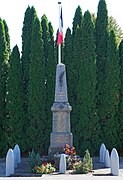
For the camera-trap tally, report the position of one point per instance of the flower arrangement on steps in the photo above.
(85, 166)
(45, 168)
(73, 161)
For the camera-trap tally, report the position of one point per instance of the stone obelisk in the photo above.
(61, 109)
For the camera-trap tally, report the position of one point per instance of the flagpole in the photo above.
(59, 46)
(59, 54)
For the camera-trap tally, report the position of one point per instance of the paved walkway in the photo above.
(65, 177)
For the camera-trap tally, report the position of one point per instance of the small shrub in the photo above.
(87, 161)
(85, 166)
(36, 165)
(34, 159)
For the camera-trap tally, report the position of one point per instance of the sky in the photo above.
(13, 12)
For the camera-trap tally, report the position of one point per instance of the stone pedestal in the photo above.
(61, 109)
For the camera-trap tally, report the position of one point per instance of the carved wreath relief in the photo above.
(61, 81)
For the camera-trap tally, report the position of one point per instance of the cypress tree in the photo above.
(76, 62)
(112, 23)
(110, 125)
(4, 57)
(71, 76)
(26, 50)
(75, 68)
(36, 90)
(50, 85)
(45, 36)
(101, 36)
(15, 101)
(7, 36)
(67, 47)
(26, 41)
(120, 113)
(8, 50)
(48, 46)
(77, 20)
(88, 125)
(68, 62)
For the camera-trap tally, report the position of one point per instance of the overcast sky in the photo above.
(13, 12)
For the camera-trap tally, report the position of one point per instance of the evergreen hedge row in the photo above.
(93, 54)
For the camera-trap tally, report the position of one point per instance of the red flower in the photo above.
(45, 171)
(45, 164)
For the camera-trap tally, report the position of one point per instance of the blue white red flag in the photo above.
(60, 33)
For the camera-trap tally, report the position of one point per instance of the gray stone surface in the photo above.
(102, 152)
(59, 139)
(62, 165)
(107, 159)
(9, 162)
(114, 162)
(18, 154)
(61, 131)
(61, 84)
(15, 156)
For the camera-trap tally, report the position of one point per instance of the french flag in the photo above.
(60, 33)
